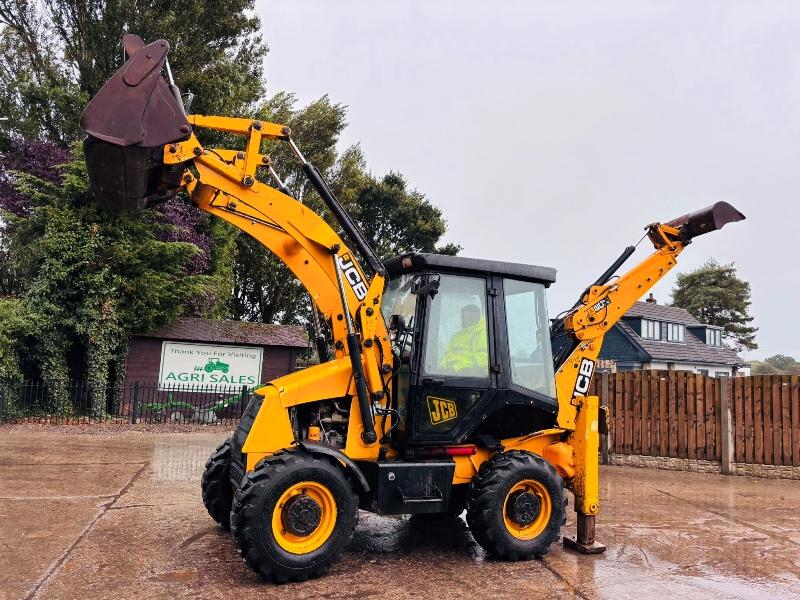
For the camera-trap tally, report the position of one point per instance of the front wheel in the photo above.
(517, 505)
(293, 516)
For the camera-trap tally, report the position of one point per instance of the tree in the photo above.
(777, 364)
(55, 55)
(90, 277)
(40, 159)
(397, 220)
(715, 295)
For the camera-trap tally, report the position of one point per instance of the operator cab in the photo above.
(473, 361)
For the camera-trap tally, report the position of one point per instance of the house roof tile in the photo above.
(232, 332)
(662, 312)
(692, 351)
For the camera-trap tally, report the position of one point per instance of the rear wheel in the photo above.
(517, 505)
(293, 516)
(216, 485)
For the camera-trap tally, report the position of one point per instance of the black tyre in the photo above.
(293, 516)
(216, 485)
(516, 506)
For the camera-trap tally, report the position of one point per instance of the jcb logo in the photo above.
(441, 410)
(584, 378)
(352, 275)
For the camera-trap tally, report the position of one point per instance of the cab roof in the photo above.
(414, 262)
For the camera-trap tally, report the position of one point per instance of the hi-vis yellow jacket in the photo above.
(468, 350)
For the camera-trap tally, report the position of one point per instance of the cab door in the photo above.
(455, 367)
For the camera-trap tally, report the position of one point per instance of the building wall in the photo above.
(144, 360)
(618, 347)
(713, 370)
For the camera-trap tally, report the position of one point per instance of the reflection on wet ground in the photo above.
(120, 515)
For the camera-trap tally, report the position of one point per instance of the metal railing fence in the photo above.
(137, 402)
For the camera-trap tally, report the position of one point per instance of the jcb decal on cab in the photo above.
(584, 378)
(441, 410)
(352, 275)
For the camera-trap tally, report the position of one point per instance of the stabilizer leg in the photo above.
(585, 441)
(584, 542)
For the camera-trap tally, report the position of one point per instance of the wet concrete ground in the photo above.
(120, 516)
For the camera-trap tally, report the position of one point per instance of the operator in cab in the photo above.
(468, 353)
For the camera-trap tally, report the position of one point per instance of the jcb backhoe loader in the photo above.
(441, 392)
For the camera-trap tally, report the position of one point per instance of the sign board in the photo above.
(214, 366)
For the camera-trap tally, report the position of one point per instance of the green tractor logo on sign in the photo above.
(214, 364)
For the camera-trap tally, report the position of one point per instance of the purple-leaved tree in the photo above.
(40, 159)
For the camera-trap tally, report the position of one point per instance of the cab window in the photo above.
(457, 331)
(529, 336)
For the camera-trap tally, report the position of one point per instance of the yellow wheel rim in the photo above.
(302, 544)
(539, 524)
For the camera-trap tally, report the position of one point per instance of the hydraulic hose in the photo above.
(354, 350)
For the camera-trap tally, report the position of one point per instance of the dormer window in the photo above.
(676, 332)
(651, 330)
(714, 337)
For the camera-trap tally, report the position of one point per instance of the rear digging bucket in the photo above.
(706, 220)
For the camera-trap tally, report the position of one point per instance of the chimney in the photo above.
(651, 299)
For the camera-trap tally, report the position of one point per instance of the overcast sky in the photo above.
(551, 133)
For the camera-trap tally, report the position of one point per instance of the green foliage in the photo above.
(777, 364)
(715, 295)
(17, 328)
(396, 219)
(56, 55)
(92, 276)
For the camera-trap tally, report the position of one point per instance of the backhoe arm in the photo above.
(581, 332)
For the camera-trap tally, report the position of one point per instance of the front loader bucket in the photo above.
(706, 220)
(128, 123)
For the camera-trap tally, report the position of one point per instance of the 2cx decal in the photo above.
(352, 275)
(441, 410)
(584, 378)
(601, 304)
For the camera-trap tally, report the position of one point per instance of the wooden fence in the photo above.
(676, 414)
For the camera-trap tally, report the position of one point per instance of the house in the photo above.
(214, 353)
(655, 336)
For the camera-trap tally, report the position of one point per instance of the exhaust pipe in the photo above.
(128, 123)
(705, 220)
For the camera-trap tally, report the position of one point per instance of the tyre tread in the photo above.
(215, 485)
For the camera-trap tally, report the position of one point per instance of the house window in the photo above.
(702, 371)
(713, 337)
(651, 330)
(675, 332)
